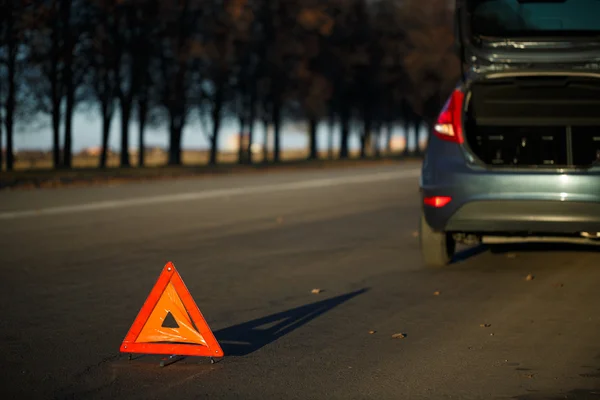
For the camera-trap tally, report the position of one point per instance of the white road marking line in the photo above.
(211, 194)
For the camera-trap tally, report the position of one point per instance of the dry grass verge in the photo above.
(47, 178)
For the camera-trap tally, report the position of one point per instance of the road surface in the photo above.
(77, 265)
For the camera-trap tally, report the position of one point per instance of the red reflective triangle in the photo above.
(191, 337)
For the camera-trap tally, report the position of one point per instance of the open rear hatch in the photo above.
(551, 121)
(500, 33)
(528, 117)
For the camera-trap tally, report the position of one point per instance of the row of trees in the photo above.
(169, 62)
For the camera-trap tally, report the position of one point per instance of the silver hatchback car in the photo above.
(515, 152)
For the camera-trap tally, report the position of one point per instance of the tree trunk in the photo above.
(10, 155)
(142, 115)
(216, 120)
(416, 130)
(277, 131)
(429, 123)
(56, 153)
(10, 112)
(106, 121)
(331, 130)
(366, 135)
(266, 141)
(251, 120)
(175, 141)
(363, 146)
(376, 142)
(213, 149)
(10, 106)
(1, 146)
(1, 131)
(68, 148)
(242, 120)
(125, 117)
(70, 105)
(390, 135)
(241, 148)
(345, 134)
(407, 124)
(56, 95)
(68, 82)
(312, 134)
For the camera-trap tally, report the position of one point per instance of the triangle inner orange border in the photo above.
(201, 342)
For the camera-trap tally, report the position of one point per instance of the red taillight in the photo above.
(437, 201)
(449, 124)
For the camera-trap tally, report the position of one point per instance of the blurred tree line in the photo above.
(371, 63)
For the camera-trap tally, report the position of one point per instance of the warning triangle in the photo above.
(170, 322)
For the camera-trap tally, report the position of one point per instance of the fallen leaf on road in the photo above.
(485, 325)
(279, 220)
(557, 285)
(529, 376)
(491, 334)
(398, 336)
(415, 234)
(372, 332)
(437, 293)
(316, 291)
(529, 277)
(511, 255)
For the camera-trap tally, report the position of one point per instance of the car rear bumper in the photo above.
(487, 201)
(523, 216)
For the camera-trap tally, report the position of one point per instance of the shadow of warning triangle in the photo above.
(247, 337)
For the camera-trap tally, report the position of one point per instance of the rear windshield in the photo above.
(531, 18)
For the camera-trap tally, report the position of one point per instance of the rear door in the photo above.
(498, 33)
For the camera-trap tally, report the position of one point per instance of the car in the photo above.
(515, 152)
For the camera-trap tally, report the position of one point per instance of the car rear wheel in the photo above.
(437, 248)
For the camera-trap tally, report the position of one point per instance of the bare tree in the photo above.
(126, 76)
(74, 16)
(225, 23)
(339, 60)
(313, 89)
(146, 34)
(245, 96)
(16, 23)
(245, 76)
(392, 78)
(102, 77)
(45, 60)
(10, 41)
(179, 49)
(278, 53)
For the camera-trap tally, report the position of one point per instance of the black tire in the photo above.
(437, 248)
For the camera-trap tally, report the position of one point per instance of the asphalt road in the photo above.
(77, 265)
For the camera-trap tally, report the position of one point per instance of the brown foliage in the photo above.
(430, 62)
